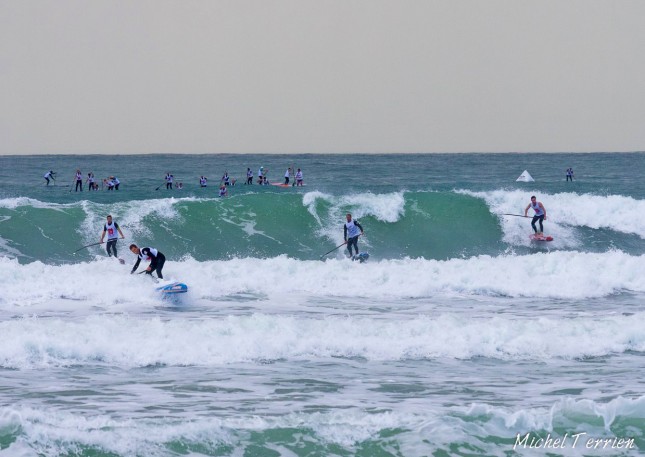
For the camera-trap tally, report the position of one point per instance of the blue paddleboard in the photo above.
(361, 257)
(173, 288)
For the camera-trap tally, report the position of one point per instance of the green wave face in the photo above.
(420, 224)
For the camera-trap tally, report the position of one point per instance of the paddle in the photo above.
(89, 245)
(339, 246)
(159, 187)
(516, 215)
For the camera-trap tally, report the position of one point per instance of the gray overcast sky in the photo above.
(294, 76)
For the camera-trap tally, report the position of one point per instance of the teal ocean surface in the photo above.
(459, 335)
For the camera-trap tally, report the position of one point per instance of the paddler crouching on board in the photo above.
(156, 258)
(351, 233)
(111, 228)
(540, 214)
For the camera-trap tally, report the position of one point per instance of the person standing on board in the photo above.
(351, 231)
(49, 175)
(90, 180)
(299, 177)
(79, 181)
(111, 228)
(169, 179)
(287, 175)
(540, 214)
(156, 258)
(249, 176)
(570, 174)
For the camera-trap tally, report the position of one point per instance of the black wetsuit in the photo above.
(156, 261)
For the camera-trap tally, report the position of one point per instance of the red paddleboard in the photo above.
(536, 237)
(280, 184)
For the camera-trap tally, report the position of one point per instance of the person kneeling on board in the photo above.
(540, 214)
(351, 229)
(156, 258)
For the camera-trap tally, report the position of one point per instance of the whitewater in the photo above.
(457, 336)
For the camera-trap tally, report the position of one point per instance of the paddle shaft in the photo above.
(89, 245)
(339, 246)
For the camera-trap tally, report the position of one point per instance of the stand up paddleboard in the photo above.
(361, 257)
(536, 237)
(173, 288)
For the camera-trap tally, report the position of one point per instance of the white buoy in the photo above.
(525, 177)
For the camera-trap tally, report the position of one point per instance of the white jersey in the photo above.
(286, 173)
(536, 207)
(111, 230)
(299, 175)
(143, 256)
(352, 229)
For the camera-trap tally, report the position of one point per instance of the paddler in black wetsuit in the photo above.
(157, 259)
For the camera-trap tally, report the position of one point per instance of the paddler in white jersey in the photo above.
(540, 214)
(111, 228)
(79, 180)
(49, 175)
(351, 231)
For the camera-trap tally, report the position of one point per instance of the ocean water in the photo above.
(456, 337)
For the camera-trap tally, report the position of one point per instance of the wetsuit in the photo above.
(157, 259)
(351, 232)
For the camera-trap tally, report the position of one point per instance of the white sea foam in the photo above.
(127, 341)
(560, 274)
(18, 202)
(566, 210)
(56, 432)
(538, 419)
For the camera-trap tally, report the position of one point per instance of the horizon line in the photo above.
(9, 154)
